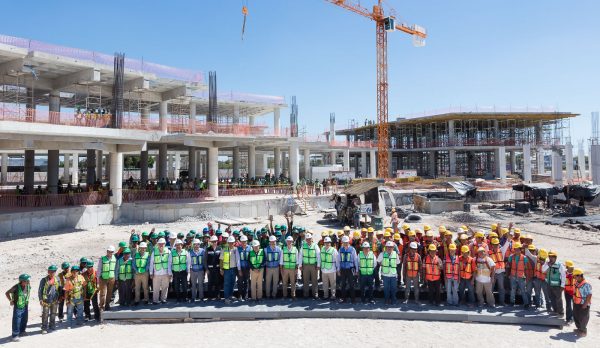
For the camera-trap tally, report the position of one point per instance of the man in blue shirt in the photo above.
(243, 266)
(198, 267)
(273, 254)
(582, 300)
(348, 270)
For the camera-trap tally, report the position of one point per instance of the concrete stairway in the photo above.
(304, 205)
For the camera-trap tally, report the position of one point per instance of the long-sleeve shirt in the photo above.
(380, 260)
(282, 252)
(233, 257)
(318, 252)
(202, 261)
(353, 257)
(335, 264)
(163, 271)
(188, 259)
(561, 269)
(51, 290)
(274, 263)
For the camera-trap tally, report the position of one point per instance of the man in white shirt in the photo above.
(389, 260)
(330, 266)
(160, 272)
(484, 278)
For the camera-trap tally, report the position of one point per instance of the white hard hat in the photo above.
(272, 239)
(255, 243)
(225, 235)
(213, 238)
(389, 244)
(413, 245)
(243, 238)
(366, 245)
(196, 241)
(111, 248)
(172, 235)
(177, 242)
(345, 239)
(161, 241)
(289, 239)
(308, 236)
(143, 245)
(327, 240)
(231, 239)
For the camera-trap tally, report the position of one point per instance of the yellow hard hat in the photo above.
(479, 234)
(463, 237)
(356, 234)
(442, 228)
(504, 230)
(405, 226)
(448, 232)
(417, 231)
(529, 237)
(495, 241)
(346, 228)
(370, 229)
(452, 246)
(464, 249)
(493, 235)
(569, 263)
(426, 228)
(325, 233)
(531, 247)
(517, 230)
(464, 227)
(577, 272)
(387, 234)
(396, 236)
(429, 234)
(543, 254)
(432, 247)
(517, 245)
(411, 233)
(494, 226)
(339, 233)
(389, 229)
(552, 253)
(363, 230)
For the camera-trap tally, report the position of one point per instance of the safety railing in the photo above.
(130, 196)
(255, 190)
(53, 200)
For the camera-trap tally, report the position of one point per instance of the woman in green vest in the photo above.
(18, 296)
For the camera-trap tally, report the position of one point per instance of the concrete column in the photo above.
(451, 134)
(145, 114)
(170, 159)
(66, 168)
(29, 168)
(162, 162)
(177, 165)
(471, 170)
(347, 159)
(236, 113)
(557, 173)
(432, 163)
(99, 157)
(373, 164)
(276, 125)
(581, 161)
(90, 161)
(54, 107)
(144, 167)
(163, 116)
(75, 175)
(200, 164)
(251, 120)
(501, 163)
(540, 161)
(192, 163)
(569, 161)
(107, 168)
(513, 162)
(333, 157)
(294, 163)
(236, 162)
(594, 158)
(213, 171)
(116, 178)
(4, 172)
(527, 163)
(277, 161)
(363, 164)
(306, 156)
(52, 172)
(452, 162)
(192, 120)
(265, 161)
(251, 161)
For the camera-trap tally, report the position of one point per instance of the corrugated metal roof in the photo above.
(361, 187)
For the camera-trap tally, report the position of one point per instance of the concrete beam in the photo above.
(83, 76)
(137, 84)
(175, 93)
(12, 66)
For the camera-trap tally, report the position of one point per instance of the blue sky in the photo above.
(503, 53)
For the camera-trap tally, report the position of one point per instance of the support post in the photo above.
(29, 174)
(144, 167)
(213, 172)
(90, 176)
(236, 162)
(163, 116)
(99, 157)
(251, 161)
(277, 162)
(581, 162)
(333, 157)
(276, 125)
(373, 164)
(501, 163)
(162, 162)
(557, 173)
(52, 173)
(75, 176)
(192, 163)
(595, 163)
(513, 162)
(527, 163)
(569, 161)
(177, 166)
(432, 163)
(192, 120)
(294, 167)
(261, 169)
(4, 173)
(363, 164)
(346, 159)
(145, 114)
(54, 106)
(539, 159)
(452, 162)
(306, 157)
(116, 178)
(66, 168)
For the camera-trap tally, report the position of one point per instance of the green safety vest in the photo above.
(289, 257)
(226, 259)
(161, 261)
(179, 262)
(388, 264)
(22, 297)
(47, 286)
(366, 263)
(553, 275)
(108, 267)
(309, 254)
(125, 270)
(77, 291)
(141, 262)
(256, 259)
(327, 258)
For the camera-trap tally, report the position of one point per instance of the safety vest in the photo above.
(538, 271)
(309, 254)
(178, 261)
(388, 263)
(366, 264)
(76, 289)
(256, 259)
(108, 267)
(517, 269)
(577, 299)
(327, 258)
(141, 262)
(412, 265)
(553, 277)
(196, 259)
(22, 297)
(90, 283)
(432, 270)
(272, 257)
(569, 284)
(466, 269)
(161, 261)
(125, 270)
(289, 257)
(50, 288)
(243, 254)
(451, 268)
(346, 258)
(498, 259)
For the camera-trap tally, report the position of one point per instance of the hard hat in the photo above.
(356, 235)
(452, 246)
(396, 236)
(531, 247)
(225, 235)
(122, 244)
(324, 233)
(426, 227)
(277, 227)
(429, 234)
(494, 226)
(236, 233)
(135, 238)
(144, 234)
(460, 230)
(517, 245)
(196, 241)
(160, 235)
(442, 228)
(75, 268)
(405, 226)
(493, 235)
(277, 233)
(479, 234)
(214, 238)
(288, 239)
(111, 248)
(205, 229)
(190, 235)
(53, 268)
(340, 232)
(255, 243)
(178, 242)
(413, 245)
(389, 229)
(218, 232)
(370, 229)
(271, 239)
(432, 247)
(504, 230)
(82, 260)
(552, 253)
(463, 237)
(172, 235)
(89, 264)
(480, 249)
(366, 245)
(411, 233)
(387, 234)
(162, 241)
(517, 230)
(243, 238)
(569, 263)
(448, 232)
(24, 277)
(464, 227)
(126, 251)
(389, 243)
(346, 228)
(153, 235)
(417, 231)
(345, 239)
(543, 254)
(283, 227)
(231, 239)
(577, 272)
(528, 236)
(327, 240)
(363, 230)
(464, 249)
(308, 236)
(379, 233)
(65, 265)
(495, 241)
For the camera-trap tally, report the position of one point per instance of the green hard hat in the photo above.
(277, 227)
(127, 251)
(236, 232)
(122, 244)
(90, 263)
(65, 265)
(24, 277)
(144, 234)
(154, 235)
(193, 232)
(135, 238)
(83, 260)
(75, 268)
(219, 232)
(161, 235)
(53, 268)
(278, 233)
(283, 227)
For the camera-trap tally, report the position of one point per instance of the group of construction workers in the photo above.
(464, 264)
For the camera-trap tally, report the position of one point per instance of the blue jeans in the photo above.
(499, 280)
(228, 282)
(452, 291)
(19, 320)
(520, 284)
(390, 285)
(465, 284)
(78, 305)
(366, 287)
(540, 286)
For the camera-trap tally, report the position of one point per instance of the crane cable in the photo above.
(245, 13)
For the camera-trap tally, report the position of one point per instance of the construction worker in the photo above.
(432, 268)
(377, 248)
(582, 300)
(515, 265)
(243, 267)
(388, 261)
(451, 275)
(48, 295)
(228, 265)
(478, 242)
(257, 267)
(125, 278)
(399, 247)
(348, 270)
(141, 272)
(273, 255)
(569, 290)
(484, 277)
(107, 266)
(309, 264)
(539, 279)
(395, 220)
(289, 267)
(74, 289)
(366, 268)
(65, 268)
(556, 279)
(197, 269)
(529, 269)
(498, 255)
(91, 292)
(466, 265)
(330, 266)
(412, 271)
(18, 296)
(160, 272)
(213, 257)
(180, 264)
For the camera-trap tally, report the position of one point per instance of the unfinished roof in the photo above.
(361, 187)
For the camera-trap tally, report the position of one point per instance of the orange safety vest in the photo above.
(498, 258)
(432, 270)
(468, 265)
(518, 270)
(570, 284)
(412, 265)
(577, 299)
(451, 268)
(529, 271)
(476, 246)
(538, 271)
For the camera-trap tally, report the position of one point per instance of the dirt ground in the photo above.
(33, 255)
